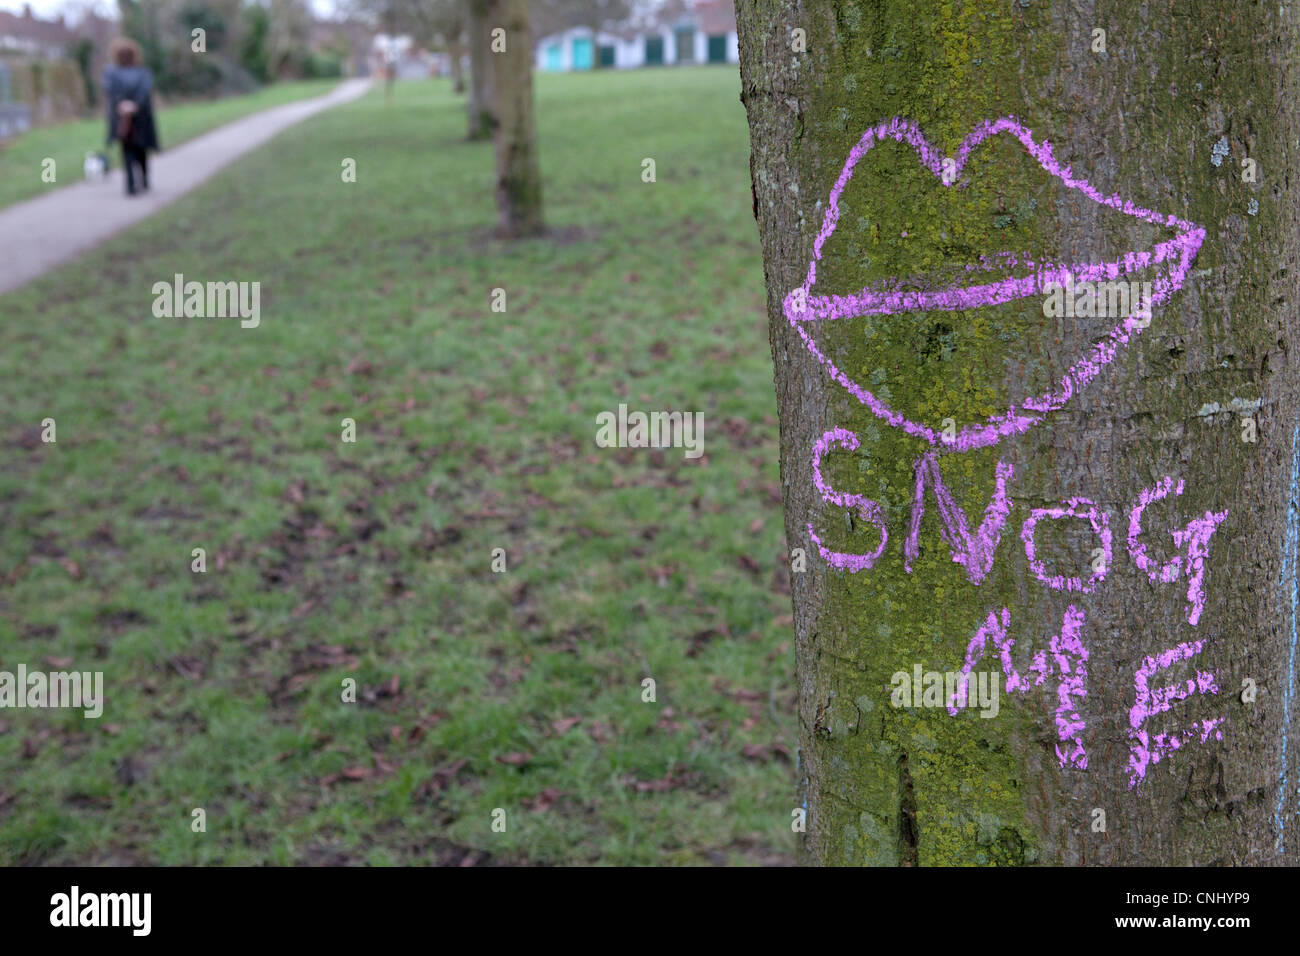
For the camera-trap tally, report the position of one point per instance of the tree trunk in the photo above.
(519, 182)
(456, 51)
(1086, 504)
(479, 103)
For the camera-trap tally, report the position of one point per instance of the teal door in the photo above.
(654, 51)
(582, 53)
(718, 49)
(685, 45)
(554, 60)
(606, 55)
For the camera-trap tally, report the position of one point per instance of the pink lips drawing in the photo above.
(1172, 260)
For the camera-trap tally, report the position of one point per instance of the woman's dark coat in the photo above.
(134, 83)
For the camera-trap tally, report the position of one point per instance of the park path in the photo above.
(41, 233)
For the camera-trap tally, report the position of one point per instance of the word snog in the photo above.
(975, 551)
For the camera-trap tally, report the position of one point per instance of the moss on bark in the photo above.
(1139, 118)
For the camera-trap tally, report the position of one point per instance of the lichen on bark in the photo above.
(1140, 119)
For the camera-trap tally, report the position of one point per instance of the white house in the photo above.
(408, 61)
(704, 32)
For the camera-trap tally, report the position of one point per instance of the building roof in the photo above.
(26, 33)
(715, 16)
(707, 16)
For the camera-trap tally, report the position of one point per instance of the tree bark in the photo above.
(456, 51)
(519, 182)
(1116, 536)
(479, 104)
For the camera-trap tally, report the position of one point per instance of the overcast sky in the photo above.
(48, 8)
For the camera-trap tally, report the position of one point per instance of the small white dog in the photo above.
(96, 165)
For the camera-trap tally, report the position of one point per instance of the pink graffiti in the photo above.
(868, 510)
(1193, 541)
(1174, 255)
(1145, 749)
(973, 552)
(1066, 657)
(1100, 522)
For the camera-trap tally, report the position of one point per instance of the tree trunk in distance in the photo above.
(455, 51)
(479, 104)
(519, 182)
(1117, 557)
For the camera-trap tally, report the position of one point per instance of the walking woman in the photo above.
(128, 88)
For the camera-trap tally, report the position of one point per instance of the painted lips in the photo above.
(1172, 260)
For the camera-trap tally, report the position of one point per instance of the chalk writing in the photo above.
(1173, 259)
(1146, 749)
(973, 552)
(1066, 658)
(868, 510)
(1100, 524)
(1193, 539)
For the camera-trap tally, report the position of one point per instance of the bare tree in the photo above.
(519, 182)
(479, 105)
(429, 23)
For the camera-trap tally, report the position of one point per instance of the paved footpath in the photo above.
(41, 233)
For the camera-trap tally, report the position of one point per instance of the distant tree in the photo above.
(519, 182)
(82, 52)
(480, 66)
(254, 50)
(165, 31)
(432, 24)
(289, 37)
(140, 22)
(451, 27)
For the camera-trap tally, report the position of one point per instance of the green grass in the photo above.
(21, 159)
(372, 561)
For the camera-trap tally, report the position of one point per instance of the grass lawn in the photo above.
(329, 561)
(67, 143)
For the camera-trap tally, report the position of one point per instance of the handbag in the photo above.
(126, 111)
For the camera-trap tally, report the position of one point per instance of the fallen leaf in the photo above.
(765, 752)
(515, 759)
(442, 778)
(564, 724)
(544, 800)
